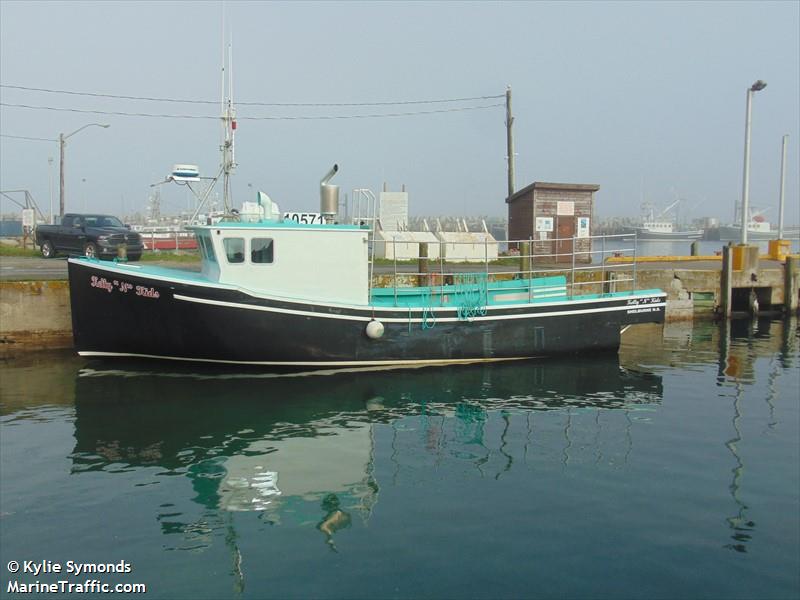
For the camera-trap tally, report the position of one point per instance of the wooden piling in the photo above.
(525, 260)
(791, 285)
(422, 269)
(725, 294)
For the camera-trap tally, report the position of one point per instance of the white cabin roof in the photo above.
(326, 263)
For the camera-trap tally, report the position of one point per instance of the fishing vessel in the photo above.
(166, 238)
(656, 229)
(758, 230)
(662, 231)
(277, 293)
(289, 295)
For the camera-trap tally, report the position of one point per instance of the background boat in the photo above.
(167, 238)
(662, 231)
(756, 231)
(655, 227)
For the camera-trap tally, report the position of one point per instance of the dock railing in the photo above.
(403, 263)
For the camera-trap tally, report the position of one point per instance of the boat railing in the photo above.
(596, 265)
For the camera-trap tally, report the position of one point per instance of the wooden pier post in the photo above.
(791, 284)
(422, 269)
(725, 294)
(525, 260)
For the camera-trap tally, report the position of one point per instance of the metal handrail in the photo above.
(472, 263)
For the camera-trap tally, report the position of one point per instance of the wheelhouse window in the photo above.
(206, 248)
(261, 250)
(234, 249)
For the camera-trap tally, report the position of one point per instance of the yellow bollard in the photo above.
(779, 249)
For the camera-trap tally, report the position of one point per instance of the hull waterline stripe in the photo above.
(305, 313)
(328, 363)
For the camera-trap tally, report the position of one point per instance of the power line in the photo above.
(257, 118)
(104, 112)
(274, 104)
(22, 137)
(372, 116)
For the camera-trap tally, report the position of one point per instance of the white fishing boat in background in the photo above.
(758, 230)
(662, 231)
(655, 227)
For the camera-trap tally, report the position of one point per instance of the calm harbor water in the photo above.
(669, 471)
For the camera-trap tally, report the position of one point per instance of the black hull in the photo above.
(179, 320)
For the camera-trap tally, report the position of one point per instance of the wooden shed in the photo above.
(555, 216)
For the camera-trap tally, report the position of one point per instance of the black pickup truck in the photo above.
(95, 236)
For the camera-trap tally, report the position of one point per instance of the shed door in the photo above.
(565, 232)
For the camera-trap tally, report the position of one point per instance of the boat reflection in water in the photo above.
(303, 447)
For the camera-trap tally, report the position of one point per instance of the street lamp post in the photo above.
(783, 186)
(756, 87)
(61, 143)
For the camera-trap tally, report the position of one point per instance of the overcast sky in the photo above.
(645, 99)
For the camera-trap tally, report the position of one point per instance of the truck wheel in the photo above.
(90, 250)
(47, 249)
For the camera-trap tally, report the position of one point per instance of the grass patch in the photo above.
(180, 257)
(17, 251)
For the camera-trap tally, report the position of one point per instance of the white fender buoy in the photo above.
(374, 329)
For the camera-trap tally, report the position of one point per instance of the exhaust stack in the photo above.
(329, 196)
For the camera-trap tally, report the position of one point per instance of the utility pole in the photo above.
(61, 175)
(50, 179)
(510, 142)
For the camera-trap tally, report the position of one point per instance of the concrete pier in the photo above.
(36, 314)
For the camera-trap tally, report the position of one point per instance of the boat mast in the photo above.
(228, 122)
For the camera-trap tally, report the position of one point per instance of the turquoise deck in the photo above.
(495, 293)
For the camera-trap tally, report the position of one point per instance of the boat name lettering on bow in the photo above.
(102, 283)
(640, 301)
(146, 292)
(122, 286)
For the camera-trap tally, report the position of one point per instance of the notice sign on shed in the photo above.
(565, 208)
(583, 227)
(544, 223)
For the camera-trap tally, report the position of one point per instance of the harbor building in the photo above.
(553, 216)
